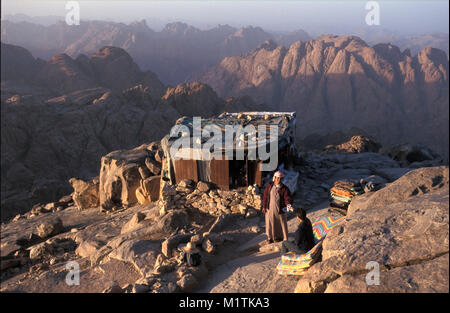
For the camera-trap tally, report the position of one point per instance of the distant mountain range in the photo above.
(173, 54)
(336, 83)
(178, 50)
(413, 42)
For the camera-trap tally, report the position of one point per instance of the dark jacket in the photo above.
(285, 197)
(304, 237)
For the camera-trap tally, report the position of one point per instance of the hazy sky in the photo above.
(313, 16)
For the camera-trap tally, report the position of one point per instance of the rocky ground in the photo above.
(403, 226)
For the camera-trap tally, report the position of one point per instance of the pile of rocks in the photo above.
(356, 144)
(204, 197)
(40, 209)
(44, 245)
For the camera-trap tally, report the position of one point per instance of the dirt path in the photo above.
(256, 272)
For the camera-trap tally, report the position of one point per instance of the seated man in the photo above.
(304, 237)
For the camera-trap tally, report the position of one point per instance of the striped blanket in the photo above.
(297, 264)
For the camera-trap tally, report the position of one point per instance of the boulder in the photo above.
(141, 253)
(403, 227)
(173, 220)
(208, 246)
(413, 183)
(120, 177)
(153, 166)
(172, 242)
(187, 283)
(142, 197)
(418, 278)
(150, 187)
(39, 251)
(203, 186)
(50, 228)
(144, 172)
(86, 194)
(407, 154)
(133, 223)
(89, 247)
(186, 183)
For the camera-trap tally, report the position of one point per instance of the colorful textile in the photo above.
(341, 198)
(322, 226)
(342, 192)
(293, 257)
(297, 264)
(292, 270)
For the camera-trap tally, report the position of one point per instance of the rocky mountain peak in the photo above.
(249, 31)
(193, 99)
(267, 45)
(179, 28)
(110, 53)
(17, 63)
(141, 26)
(388, 51)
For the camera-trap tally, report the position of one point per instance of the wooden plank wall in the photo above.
(220, 173)
(254, 174)
(185, 169)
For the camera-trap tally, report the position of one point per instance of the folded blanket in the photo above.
(341, 198)
(297, 264)
(342, 192)
(322, 225)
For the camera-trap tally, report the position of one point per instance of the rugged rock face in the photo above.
(403, 227)
(18, 63)
(65, 136)
(177, 97)
(85, 194)
(411, 155)
(121, 177)
(109, 67)
(340, 82)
